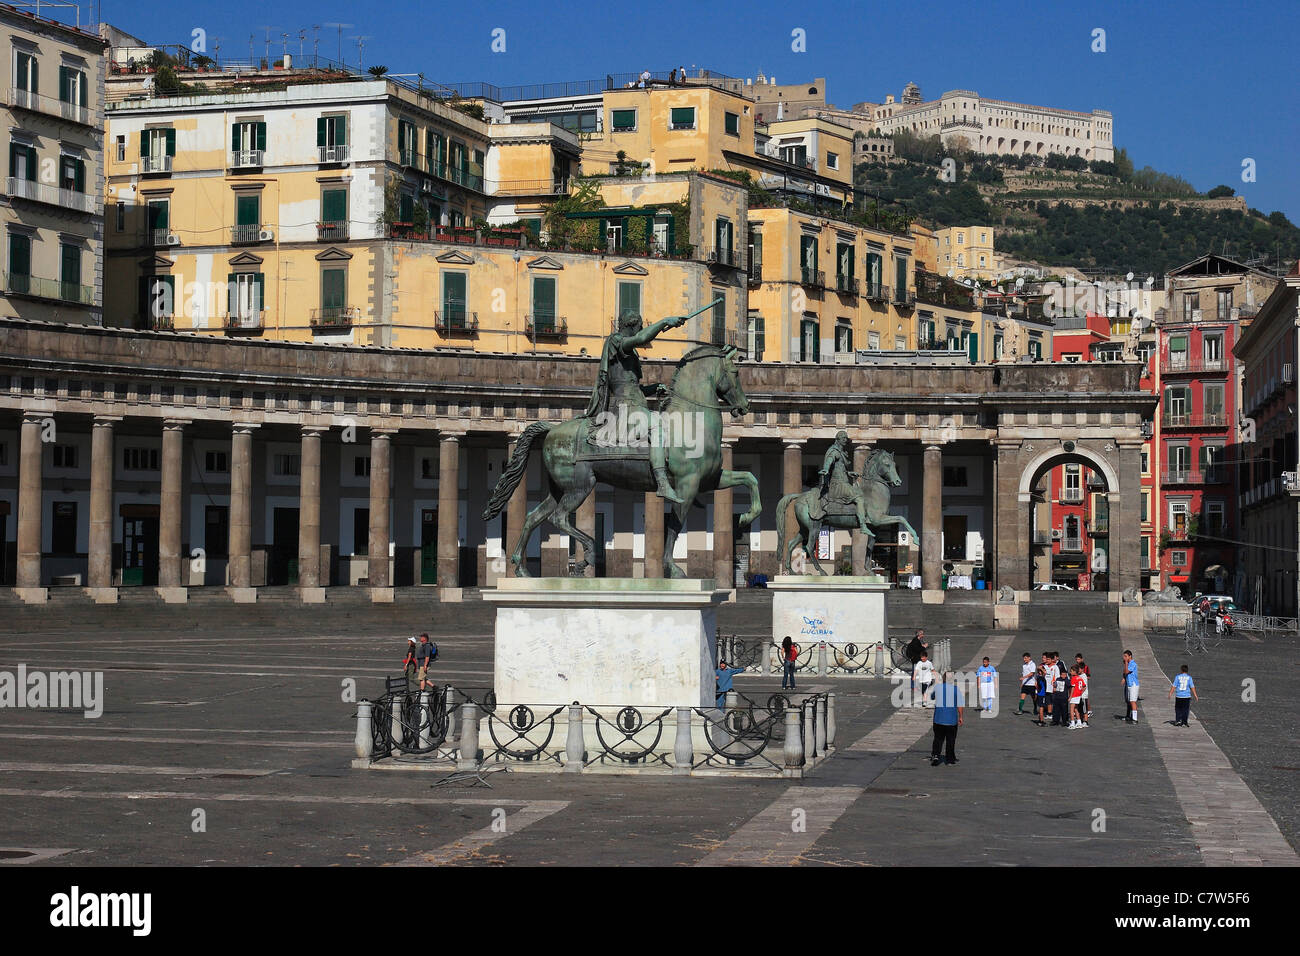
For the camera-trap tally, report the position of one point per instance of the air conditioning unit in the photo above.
(1056, 534)
(1288, 373)
(173, 240)
(266, 235)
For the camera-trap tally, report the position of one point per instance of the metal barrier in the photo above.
(1265, 624)
(408, 721)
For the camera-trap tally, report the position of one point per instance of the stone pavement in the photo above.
(247, 725)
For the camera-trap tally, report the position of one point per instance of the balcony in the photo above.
(755, 269)
(1100, 528)
(1213, 420)
(333, 231)
(335, 317)
(1071, 544)
(451, 321)
(846, 284)
(37, 103)
(155, 164)
(454, 174)
(877, 292)
(904, 299)
(246, 321)
(723, 256)
(247, 158)
(333, 154)
(245, 235)
(406, 157)
(1207, 476)
(812, 277)
(1072, 496)
(56, 289)
(547, 326)
(158, 237)
(50, 195)
(1187, 316)
(1180, 364)
(531, 187)
(161, 323)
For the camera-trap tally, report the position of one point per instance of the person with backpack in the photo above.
(425, 654)
(789, 657)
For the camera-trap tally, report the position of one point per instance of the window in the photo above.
(1178, 351)
(20, 262)
(808, 256)
(1073, 490)
(1146, 552)
(731, 124)
(843, 264)
(361, 466)
(900, 279)
(332, 138)
(719, 332)
(1213, 403)
(1178, 559)
(334, 212)
(245, 299)
(121, 149)
(1215, 520)
(70, 270)
(247, 143)
(1212, 349)
(722, 235)
(22, 161)
(63, 530)
(682, 117)
(809, 341)
(454, 293)
(159, 298)
(26, 72)
(843, 336)
(997, 345)
(875, 274)
(406, 143)
(1212, 461)
(622, 121)
(961, 239)
(428, 468)
(248, 211)
(756, 334)
(832, 161)
(286, 466)
(435, 153)
(119, 210)
(629, 299)
(73, 86)
(900, 342)
(873, 341)
(1225, 304)
(1180, 462)
(1070, 356)
(954, 476)
(1146, 459)
(64, 456)
(1178, 401)
(72, 174)
(1146, 507)
(216, 463)
(333, 293)
(139, 459)
(1191, 301)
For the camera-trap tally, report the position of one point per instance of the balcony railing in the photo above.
(1214, 420)
(1071, 544)
(155, 164)
(50, 195)
(1185, 364)
(247, 158)
(161, 323)
(531, 187)
(723, 256)
(813, 277)
(406, 157)
(1100, 528)
(1207, 476)
(334, 317)
(158, 237)
(245, 320)
(1072, 496)
(1188, 315)
(246, 234)
(18, 283)
(847, 284)
(904, 298)
(454, 174)
(333, 231)
(333, 154)
(876, 292)
(38, 103)
(755, 269)
(449, 321)
(547, 326)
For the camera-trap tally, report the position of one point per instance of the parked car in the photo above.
(1051, 586)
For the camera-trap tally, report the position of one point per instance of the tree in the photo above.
(377, 71)
(1221, 191)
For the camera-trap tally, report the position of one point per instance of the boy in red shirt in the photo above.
(1077, 685)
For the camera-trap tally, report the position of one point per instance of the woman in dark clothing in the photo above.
(789, 654)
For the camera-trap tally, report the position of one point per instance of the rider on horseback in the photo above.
(618, 383)
(839, 484)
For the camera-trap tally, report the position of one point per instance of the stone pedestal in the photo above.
(644, 642)
(812, 608)
(174, 595)
(312, 595)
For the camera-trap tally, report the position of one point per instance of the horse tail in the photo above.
(780, 528)
(514, 470)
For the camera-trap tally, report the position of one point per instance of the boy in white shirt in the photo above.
(923, 675)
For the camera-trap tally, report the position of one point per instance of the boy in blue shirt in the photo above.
(1131, 686)
(1182, 690)
(987, 677)
(725, 674)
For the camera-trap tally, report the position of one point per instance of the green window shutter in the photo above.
(20, 255)
(258, 289)
(232, 293)
(171, 141)
(70, 264)
(973, 344)
(683, 116)
(401, 137)
(23, 61)
(159, 214)
(543, 297)
(453, 294)
(36, 75)
(732, 123)
(406, 208)
(65, 85)
(13, 159)
(236, 137)
(320, 131)
(334, 205)
(83, 87)
(144, 142)
(333, 288)
(261, 136)
(622, 119)
(340, 131)
(31, 163)
(79, 176)
(248, 211)
(629, 298)
(900, 276)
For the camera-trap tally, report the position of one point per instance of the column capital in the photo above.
(105, 421)
(244, 428)
(175, 424)
(385, 434)
(451, 436)
(935, 446)
(730, 441)
(33, 417)
(794, 442)
(314, 431)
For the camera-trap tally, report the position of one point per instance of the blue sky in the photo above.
(1195, 87)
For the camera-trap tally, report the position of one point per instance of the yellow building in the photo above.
(812, 156)
(824, 288)
(52, 216)
(966, 252)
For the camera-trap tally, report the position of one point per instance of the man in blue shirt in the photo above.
(725, 674)
(949, 711)
(1131, 686)
(1182, 690)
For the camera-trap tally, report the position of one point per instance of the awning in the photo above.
(1178, 578)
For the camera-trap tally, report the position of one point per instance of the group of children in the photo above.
(1056, 691)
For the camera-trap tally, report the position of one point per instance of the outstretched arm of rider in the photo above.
(647, 335)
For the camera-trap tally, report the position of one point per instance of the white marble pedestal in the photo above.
(812, 608)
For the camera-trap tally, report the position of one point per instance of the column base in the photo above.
(242, 595)
(1130, 617)
(381, 596)
(32, 595)
(102, 595)
(1006, 616)
(932, 596)
(174, 595)
(452, 595)
(312, 595)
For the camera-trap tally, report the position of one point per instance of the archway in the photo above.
(1065, 499)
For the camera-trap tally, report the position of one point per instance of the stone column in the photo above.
(1124, 554)
(1012, 565)
(449, 517)
(381, 444)
(516, 511)
(309, 569)
(654, 535)
(792, 484)
(170, 586)
(99, 577)
(724, 544)
(27, 579)
(861, 451)
(241, 514)
(932, 518)
(586, 523)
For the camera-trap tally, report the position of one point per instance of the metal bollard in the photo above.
(365, 739)
(468, 759)
(793, 740)
(830, 719)
(810, 732)
(819, 722)
(449, 706)
(575, 747)
(821, 659)
(683, 750)
(395, 724)
(880, 660)
(425, 721)
(732, 700)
